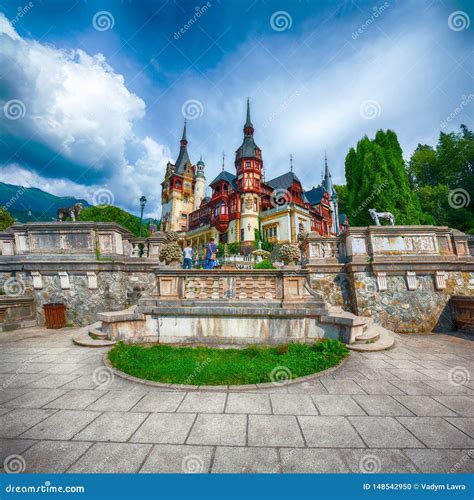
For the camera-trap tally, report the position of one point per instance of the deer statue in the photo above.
(381, 215)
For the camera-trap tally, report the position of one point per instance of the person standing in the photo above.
(188, 253)
(211, 254)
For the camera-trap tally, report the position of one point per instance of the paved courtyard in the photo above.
(410, 409)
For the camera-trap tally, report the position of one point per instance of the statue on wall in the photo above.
(381, 215)
(72, 212)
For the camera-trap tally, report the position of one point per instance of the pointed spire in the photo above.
(223, 160)
(248, 127)
(291, 163)
(183, 138)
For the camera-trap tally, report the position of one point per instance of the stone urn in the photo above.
(289, 254)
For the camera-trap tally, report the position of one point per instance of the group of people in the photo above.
(211, 255)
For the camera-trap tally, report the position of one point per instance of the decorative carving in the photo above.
(382, 281)
(412, 283)
(65, 283)
(440, 280)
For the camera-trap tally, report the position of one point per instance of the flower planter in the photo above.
(463, 306)
(55, 315)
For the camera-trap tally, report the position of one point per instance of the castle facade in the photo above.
(244, 205)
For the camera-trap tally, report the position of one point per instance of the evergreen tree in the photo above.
(377, 178)
(6, 220)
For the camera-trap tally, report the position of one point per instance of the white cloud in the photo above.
(82, 111)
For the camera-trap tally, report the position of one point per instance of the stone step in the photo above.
(371, 334)
(83, 338)
(385, 341)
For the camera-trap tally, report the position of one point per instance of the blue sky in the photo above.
(101, 87)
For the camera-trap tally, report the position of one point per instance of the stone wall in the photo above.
(114, 291)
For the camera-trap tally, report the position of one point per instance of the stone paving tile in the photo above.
(435, 432)
(13, 423)
(4, 410)
(178, 459)
(63, 425)
(77, 399)
(454, 461)
(310, 388)
(384, 432)
(203, 402)
(274, 430)
(13, 447)
(292, 404)
(408, 374)
(53, 456)
(379, 387)
(312, 461)
(116, 401)
(164, 428)
(342, 387)
(112, 426)
(79, 382)
(245, 460)
(36, 398)
(449, 389)
(402, 363)
(464, 424)
(329, 432)
(248, 403)
(424, 406)
(160, 402)
(381, 405)
(64, 368)
(378, 461)
(462, 405)
(52, 381)
(222, 429)
(112, 457)
(330, 404)
(9, 394)
(16, 381)
(414, 388)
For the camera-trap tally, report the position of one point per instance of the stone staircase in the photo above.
(362, 334)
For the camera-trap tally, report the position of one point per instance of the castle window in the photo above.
(185, 199)
(247, 164)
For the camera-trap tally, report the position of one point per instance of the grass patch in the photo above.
(211, 366)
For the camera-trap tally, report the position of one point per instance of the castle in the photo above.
(244, 204)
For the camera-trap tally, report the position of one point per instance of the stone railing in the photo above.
(232, 285)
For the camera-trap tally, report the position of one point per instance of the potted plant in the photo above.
(289, 254)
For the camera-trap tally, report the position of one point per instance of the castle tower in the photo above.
(329, 188)
(200, 184)
(249, 166)
(177, 197)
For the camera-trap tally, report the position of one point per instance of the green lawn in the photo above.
(211, 366)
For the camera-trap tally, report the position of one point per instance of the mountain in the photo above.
(33, 204)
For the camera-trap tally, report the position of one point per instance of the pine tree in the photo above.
(377, 178)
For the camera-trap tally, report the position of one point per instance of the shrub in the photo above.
(264, 264)
(289, 253)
